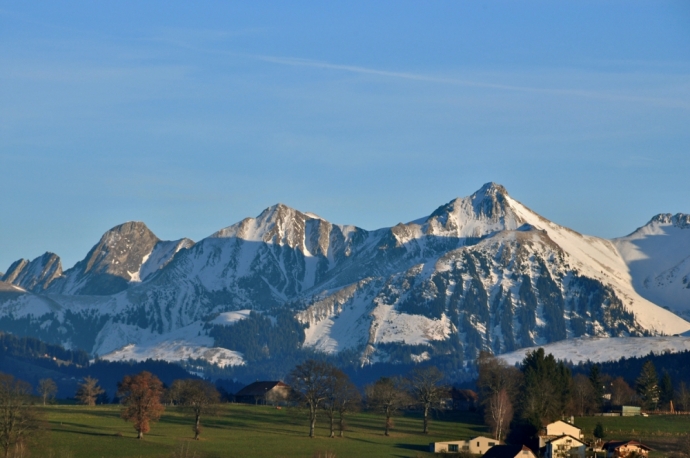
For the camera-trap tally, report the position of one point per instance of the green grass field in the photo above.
(240, 431)
(661, 432)
(257, 431)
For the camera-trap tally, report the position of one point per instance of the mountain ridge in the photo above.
(483, 272)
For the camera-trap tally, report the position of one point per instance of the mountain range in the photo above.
(482, 272)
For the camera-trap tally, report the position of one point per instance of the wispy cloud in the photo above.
(295, 62)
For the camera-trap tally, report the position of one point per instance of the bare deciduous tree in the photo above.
(198, 396)
(583, 394)
(18, 418)
(343, 397)
(387, 395)
(173, 394)
(309, 383)
(622, 393)
(46, 389)
(426, 388)
(140, 396)
(497, 385)
(683, 396)
(88, 391)
(499, 413)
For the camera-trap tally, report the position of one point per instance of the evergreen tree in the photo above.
(665, 391)
(648, 386)
(547, 388)
(597, 386)
(599, 431)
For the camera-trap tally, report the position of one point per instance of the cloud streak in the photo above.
(295, 62)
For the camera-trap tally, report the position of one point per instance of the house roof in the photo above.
(565, 423)
(258, 388)
(506, 451)
(612, 445)
(567, 436)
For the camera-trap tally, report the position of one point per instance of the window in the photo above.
(452, 447)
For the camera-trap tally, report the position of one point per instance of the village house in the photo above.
(509, 451)
(565, 447)
(558, 429)
(476, 446)
(625, 448)
(273, 393)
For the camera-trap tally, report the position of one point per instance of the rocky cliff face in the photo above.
(34, 275)
(480, 272)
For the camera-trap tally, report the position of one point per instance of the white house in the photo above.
(477, 446)
(562, 428)
(565, 447)
(557, 429)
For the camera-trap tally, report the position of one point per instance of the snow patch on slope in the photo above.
(390, 326)
(602, 349)
(340, 321)
(118, 341)
(229, 318)
(658, 256)
(600, 259)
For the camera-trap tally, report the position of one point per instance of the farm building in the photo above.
(274, 393)
(627, 411)
(476, 446)
(615, 449)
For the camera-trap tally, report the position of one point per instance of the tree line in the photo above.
(517, 401)
(141, 398)
(320, 387)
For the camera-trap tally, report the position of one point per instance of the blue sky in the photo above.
(192, 116)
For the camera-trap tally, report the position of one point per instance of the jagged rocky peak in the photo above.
(284, 226)
(115, 260)
(34, 275)
(275, 220)
(15, 270)
(680, 220)
(486, 211)
(121, 250)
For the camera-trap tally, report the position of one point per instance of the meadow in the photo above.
(661, 432)
(240, 431)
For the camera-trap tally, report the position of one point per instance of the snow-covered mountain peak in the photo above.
(284, 226)
(490, 189)
(679, 220)
(658, 256)
(486, 211)
(275, 220)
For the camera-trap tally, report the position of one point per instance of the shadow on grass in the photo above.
(415, 447)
